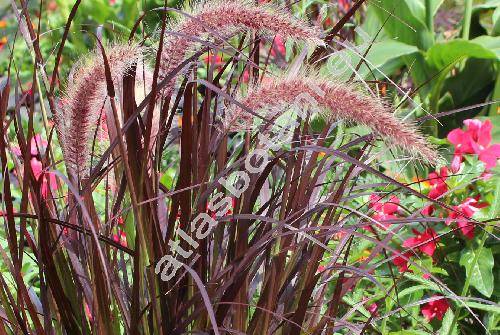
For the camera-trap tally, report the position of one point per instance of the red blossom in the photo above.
(435, 308)
(437, 181)
(3, 42)
(49, 181)
(383, 210)
(213, 59)
(37, 146)
(475, 139)
(278, 47)
(425, 241)
(427, 210)
(373, 308)
(463, 213)
(401, 261)
(344, 5)
(120, 238)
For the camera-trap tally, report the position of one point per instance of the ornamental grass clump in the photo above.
(303, 229)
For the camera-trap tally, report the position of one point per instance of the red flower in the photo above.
(278, 46)
(435, 308)
(425, 242)
(437, 182)
(37, 146)
(120, 238)
(401, 261)
(3, 42)
(373, 309)
(427, 210)
(49, 179)
(383, 210)
(344, 5)
(476, 140)
(463, 213)
(213, 59)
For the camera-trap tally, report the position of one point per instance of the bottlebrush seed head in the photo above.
(336, 101)
(226, 18)
(85, 97)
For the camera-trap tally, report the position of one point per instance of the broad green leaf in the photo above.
(490, 43)
(483, 307)
(441, 55)
(491, 4)
(447, 323)
(429, 284)
(407, 21)
(435, 4)
(496, 22)
(481, 275)
(383, 57)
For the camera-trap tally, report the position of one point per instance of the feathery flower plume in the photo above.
(336, 101)
(228, 17)
(85, 97)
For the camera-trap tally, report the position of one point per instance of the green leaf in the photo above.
(447, 324)
(489, 42)
(382, 57)
(407, 21)
(484, 307)
(442, 55)
(481, 274)
(491, 4)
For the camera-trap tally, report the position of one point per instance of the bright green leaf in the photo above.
(379, 58)
(489, 42)
(443, 54)
(447, 324)
(481, 275)
(407, 21)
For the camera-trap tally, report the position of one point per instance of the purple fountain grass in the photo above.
(85, 98)
(228, 17)
(337, 101)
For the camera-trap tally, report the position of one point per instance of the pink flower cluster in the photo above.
(476, 140)
(37, 147)
(383, 211)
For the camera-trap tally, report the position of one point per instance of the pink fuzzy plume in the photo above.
(85, 98)
(228, 17)
(338, 101)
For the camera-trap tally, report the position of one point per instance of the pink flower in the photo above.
(278, 47)
(120, 238)
(383, 210)
(425, 241)
(435, 309)
(427, 210)
(373, 309)
(50, 184)
(476, 140)
(463, 213)
(37, 146)
(344, 5)
(402, 261)
(213, 59)
(437, 182)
